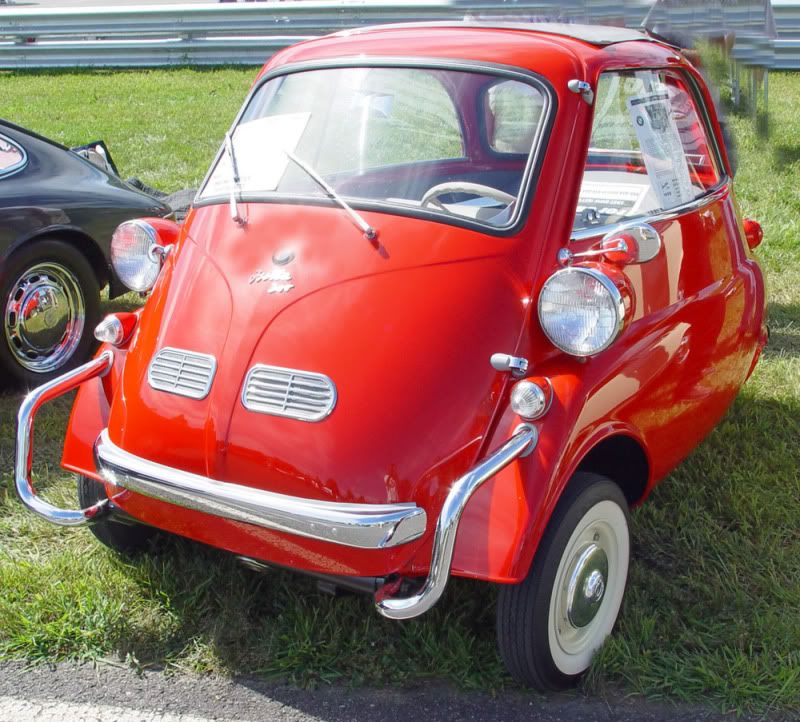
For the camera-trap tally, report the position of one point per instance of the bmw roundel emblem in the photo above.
(282, 257)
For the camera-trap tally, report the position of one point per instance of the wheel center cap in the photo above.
(586, 585)
(43, 316)
(594, 587)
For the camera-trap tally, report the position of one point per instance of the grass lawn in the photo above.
(711, 612)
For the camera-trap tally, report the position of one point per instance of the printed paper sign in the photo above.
(611, 199)
(259, 147)
(662, 149)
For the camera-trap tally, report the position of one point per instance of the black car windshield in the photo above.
(453, 142)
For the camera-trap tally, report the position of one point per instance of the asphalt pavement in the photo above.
(116, 693)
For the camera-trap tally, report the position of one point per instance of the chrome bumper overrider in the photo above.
(522, 443)
(22, 459)
(365, 526)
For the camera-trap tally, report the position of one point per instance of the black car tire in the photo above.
(57, 272)
(547, 630)
(125, 537)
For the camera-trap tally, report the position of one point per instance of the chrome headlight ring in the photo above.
(135, 255)
(579, 327)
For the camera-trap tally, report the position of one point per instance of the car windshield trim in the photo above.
(530, 173)
(20, 164)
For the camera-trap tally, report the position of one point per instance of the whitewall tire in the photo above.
(551, 624)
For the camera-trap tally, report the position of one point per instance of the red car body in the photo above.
(406, 324)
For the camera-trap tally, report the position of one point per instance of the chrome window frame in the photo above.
(710, 196)
(530, 173)
(20, 165)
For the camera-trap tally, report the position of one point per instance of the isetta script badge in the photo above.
(279, 280)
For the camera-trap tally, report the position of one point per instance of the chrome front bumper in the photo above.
(364, 526)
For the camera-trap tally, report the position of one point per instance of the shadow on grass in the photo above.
(278, 625)
(784, 155)
(708, 616)
(784, 330)
(710, 612)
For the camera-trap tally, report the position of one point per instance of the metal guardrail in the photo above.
(245, 33)
(248, 33)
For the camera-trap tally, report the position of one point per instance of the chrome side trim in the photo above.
(22, 458)
(522, 443)
(670, 215)
(366, 526)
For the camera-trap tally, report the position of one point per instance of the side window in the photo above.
(649, 151)
(11, 156)
(513, 114)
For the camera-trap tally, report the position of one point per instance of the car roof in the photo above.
(597, 35)
(552, 50)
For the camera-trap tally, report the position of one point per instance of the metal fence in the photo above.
(248, 33)
(233, 33)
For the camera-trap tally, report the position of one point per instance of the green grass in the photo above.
(711, 612)
(162, 126)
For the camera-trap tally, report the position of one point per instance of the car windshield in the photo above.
(455, 143)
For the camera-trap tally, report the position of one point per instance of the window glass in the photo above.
(367, 117)
(397, 136)
(11, 155)
(513, 112)
(649, 151)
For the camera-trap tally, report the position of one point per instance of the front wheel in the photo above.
(50, 301)
(550, 625)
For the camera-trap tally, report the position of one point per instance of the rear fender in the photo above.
(89, 416)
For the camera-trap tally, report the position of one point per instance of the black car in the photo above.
(58, 212)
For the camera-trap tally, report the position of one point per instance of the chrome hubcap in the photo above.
(587, 585)
(44, 317)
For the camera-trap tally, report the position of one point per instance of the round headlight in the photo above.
(581, 310)
(133, 256)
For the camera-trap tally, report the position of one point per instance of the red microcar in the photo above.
(451, 299)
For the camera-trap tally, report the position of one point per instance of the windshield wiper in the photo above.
(236, 184)
(369, 232)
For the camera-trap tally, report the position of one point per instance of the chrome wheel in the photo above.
(588, 588)
(45, 316)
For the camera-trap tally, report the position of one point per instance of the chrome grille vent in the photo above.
(279, 391)
(185, 373)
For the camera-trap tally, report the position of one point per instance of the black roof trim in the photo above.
(599, 35)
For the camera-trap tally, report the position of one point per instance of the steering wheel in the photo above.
(431, 197)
